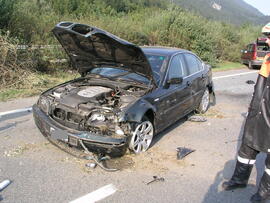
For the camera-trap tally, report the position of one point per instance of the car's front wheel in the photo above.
(142, 136)
(205, 102)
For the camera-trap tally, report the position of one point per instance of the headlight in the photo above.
(44, 104)
(97, 117)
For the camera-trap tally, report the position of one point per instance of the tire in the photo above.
(142, 136)
(250, 66)
(204, 103)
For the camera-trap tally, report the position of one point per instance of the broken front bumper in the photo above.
(95, 143)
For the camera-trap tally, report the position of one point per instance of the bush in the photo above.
(143, 22)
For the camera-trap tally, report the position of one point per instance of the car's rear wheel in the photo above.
(142, 136)
(205, 102)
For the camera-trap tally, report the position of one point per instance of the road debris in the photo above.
(197, 119)
(4, 184)
(183, 152)
(19, 150)
(99, 160)
(155, 179)
(250, 82)
(91, 165)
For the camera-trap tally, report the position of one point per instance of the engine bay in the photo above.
(90, 106)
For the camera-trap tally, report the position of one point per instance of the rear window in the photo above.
(263, 48)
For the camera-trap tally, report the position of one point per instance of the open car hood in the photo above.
(90, 47)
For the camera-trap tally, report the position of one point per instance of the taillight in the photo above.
(254, 51)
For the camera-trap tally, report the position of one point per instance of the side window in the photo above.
(192, 63)
(250, 48)
(176, 68)
(185, 70)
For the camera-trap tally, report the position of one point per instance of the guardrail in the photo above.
(24, 47)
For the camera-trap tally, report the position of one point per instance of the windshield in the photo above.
(156, 62)
(116, 73)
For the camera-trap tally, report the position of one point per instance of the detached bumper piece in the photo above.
(95, 143)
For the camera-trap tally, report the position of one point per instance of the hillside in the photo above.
(230, 11)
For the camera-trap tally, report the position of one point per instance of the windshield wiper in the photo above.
(130, 80)
(101, 76)
(120, 74)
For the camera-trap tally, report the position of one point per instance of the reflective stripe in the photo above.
(246, 161)
(267, 170)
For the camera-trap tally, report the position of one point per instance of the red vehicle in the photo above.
(254, 53)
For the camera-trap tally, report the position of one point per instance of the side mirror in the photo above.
(174, 81)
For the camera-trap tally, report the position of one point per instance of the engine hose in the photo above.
(97, 161)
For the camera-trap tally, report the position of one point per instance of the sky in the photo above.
(261, 5)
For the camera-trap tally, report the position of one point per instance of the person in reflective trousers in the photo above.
(256, 135)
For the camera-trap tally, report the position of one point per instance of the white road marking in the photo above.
(97, 195)
(17, 111)
(4, 184)
(227, 76)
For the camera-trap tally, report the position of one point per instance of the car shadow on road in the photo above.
(160, 135)
(215, 192)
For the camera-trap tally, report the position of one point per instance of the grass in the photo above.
(226, 65)
(35, 84)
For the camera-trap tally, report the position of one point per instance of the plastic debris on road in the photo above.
(91, 165)
(250, 82)
(155, 179)
(183, 152)
(4, 184)
(197, 119)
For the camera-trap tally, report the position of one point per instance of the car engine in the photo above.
(93, 107)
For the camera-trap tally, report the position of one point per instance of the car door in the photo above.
(196, 77)
(176, 97)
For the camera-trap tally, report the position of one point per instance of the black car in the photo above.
(126, 94)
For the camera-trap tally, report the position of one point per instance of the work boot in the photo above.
(263, 193)
(240, 177)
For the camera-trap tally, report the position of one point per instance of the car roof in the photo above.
(166, 51)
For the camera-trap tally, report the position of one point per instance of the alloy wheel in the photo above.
(142, 137)
(205, 101)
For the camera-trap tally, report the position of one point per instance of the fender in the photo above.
(136, 112)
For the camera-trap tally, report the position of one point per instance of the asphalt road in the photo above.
(40, 172)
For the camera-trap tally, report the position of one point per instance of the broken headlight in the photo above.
(44, 104)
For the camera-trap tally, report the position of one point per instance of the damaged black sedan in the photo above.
(126, 94)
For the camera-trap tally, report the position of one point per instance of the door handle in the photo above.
(188, 83)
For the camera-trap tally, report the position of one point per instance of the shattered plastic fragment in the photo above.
(155, 179)
(91, 165)
(250, 82)
(4, 184)
(197, 119)
(183, 152)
